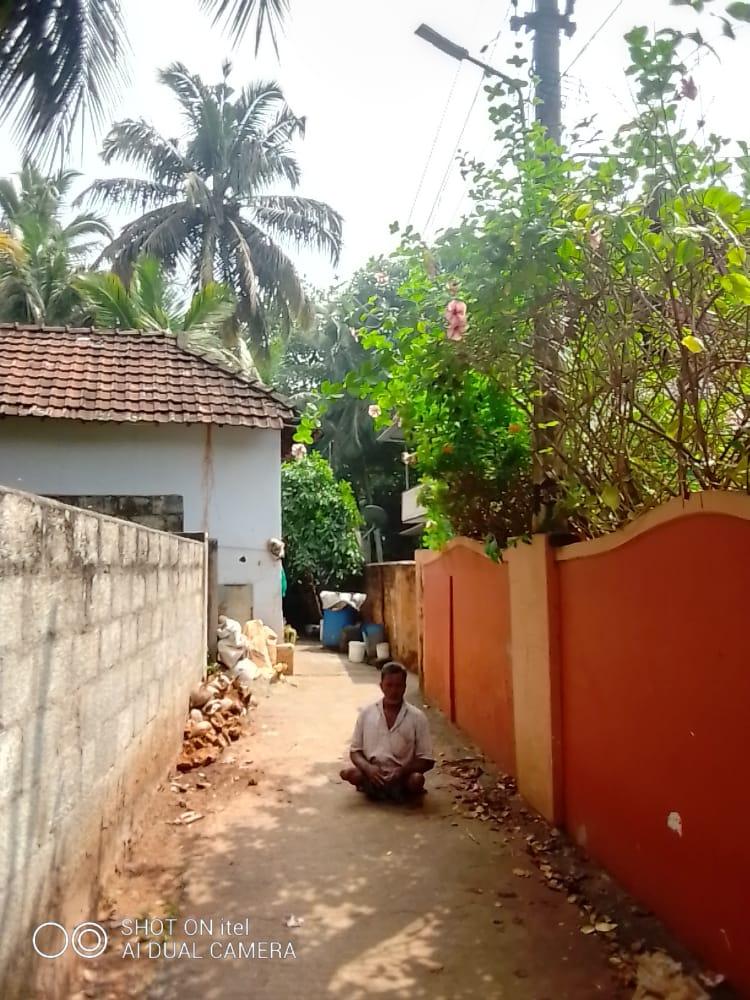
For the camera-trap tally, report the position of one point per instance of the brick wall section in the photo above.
(103, 635)
(392, 602)
(165, 513)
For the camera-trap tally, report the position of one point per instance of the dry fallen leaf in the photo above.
(604, 927)
(521, 873)
(588, 929)
(711, 979)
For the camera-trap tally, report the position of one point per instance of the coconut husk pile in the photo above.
(217, 709)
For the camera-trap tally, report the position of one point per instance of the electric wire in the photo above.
(595, 35)
(434, 144)
(446, 175)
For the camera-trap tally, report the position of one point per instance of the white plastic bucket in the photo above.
(357, 652)
(383, 651)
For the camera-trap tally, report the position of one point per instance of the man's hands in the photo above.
(377, 776)
(372, 772)
(381, 779)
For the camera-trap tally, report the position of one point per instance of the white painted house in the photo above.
(136, 425)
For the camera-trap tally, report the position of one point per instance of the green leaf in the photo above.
(736, 257)
(737, 284)
(583, 212)
(722, 201)
(567, 249)
(694, 344)
(686, 252)
(610, 497)
(637, 36)
(741, 11)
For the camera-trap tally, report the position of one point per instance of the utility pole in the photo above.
(546, 22)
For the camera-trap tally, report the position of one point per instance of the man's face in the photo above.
(393, 687)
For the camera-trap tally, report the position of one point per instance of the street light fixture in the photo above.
(445, 45)
(428, 34)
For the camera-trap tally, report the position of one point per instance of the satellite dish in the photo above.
(375, 517)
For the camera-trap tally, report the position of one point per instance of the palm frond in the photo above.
(280, 287)
(162, 232)
(20, 296)
(209, 308)
(139, 143)
(254, 108)
(63, 181)
(112, 304)
(155, 297)
(188, 88)
(59, 61)
(245, 268)
(254, 167)
(86, 224)
(237, 15)
(197, 192)
(304, 221)
(285, 127)
(128, 193)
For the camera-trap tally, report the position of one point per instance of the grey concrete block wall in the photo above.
(103, 635)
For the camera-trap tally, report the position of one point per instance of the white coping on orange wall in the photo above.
(731, 504)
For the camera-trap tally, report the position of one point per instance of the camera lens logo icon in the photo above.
(88, 940)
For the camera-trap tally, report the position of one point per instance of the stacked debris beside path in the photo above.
(250, 656)
(216, 712)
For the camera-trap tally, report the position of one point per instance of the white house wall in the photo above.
(229, 478)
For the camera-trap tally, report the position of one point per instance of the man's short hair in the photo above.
(393, 668)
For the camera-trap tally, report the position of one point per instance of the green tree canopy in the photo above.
(320, 523)
(591, 314)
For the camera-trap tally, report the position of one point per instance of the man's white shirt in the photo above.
(392, 748)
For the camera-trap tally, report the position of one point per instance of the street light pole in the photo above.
(434, 38)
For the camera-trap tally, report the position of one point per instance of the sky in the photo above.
(386, 113)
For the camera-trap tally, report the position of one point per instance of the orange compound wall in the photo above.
(465, 614)
(655, 690)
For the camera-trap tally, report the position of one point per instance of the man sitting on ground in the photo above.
(391, 748)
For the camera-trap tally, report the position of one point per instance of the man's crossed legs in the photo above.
(377, 787)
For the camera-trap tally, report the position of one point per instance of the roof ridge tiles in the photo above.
(138, 371)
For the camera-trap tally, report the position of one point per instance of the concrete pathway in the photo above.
(396, 902)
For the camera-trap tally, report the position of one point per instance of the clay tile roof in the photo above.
(114, 375)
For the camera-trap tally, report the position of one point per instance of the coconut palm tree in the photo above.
(40, 256)
(208, 201)
(61, 59)
(149, 302)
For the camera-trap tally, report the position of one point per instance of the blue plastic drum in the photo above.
(334, 623)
